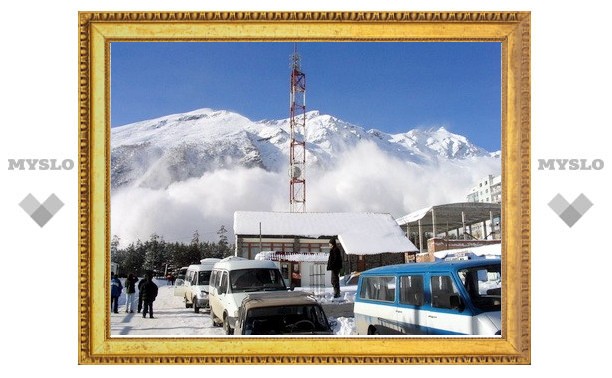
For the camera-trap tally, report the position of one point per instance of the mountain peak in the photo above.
(180, 146)
(312, 114)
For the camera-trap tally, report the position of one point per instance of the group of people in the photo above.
(147, 289)
(147, 292)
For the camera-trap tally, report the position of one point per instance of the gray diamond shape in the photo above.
(558, 204)
(29, 204)
(41, 216)
(53, 204)
(582, 204)
(570, 216)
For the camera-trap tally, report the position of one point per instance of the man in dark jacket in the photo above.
(149, 292)
(140, 283)
(334, 263)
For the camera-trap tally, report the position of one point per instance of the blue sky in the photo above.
(390, 86)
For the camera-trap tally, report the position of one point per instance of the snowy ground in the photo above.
(171, 318)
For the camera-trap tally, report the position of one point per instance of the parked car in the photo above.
(440, 298)
(281, 313)
(195, 287)
(233, 278)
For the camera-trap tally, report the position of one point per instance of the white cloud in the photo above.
(364, 179)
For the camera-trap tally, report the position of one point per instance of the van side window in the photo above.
(223, 283)
(444, 294)
(378, 288)
(411, 290)
(213, 279)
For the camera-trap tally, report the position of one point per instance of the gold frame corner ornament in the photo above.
(98, 29)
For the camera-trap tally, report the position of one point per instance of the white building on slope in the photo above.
(488, 189)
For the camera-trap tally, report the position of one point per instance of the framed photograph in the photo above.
(108, 39)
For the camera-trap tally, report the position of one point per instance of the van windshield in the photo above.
(263, 279)
(277, 320)
(483, 284)
(203, 277)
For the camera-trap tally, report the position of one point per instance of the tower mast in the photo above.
(297, 147)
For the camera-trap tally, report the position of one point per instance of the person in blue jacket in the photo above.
(116, 288)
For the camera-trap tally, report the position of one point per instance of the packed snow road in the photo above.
(171, 318)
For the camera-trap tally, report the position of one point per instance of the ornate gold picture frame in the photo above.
(98, 29)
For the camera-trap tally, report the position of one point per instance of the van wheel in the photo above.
(226, 327)
(196, 309)
(213, 319)
(373, 331)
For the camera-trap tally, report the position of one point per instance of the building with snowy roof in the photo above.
(300, 241)
(451, 226)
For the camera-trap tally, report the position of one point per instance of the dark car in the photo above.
(281, 313)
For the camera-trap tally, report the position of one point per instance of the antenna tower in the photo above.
(297, 148)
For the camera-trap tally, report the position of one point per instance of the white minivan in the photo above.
(195, 288)
(232, 279)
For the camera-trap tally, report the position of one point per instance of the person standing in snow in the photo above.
(149, 293)
(140, 283)
(334, 263)
(116, 288)
(130, 290)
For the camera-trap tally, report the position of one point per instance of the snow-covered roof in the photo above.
(359, 233)
(450, 216)
(297, 257)
(484, 250)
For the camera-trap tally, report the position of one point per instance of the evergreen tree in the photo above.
(194, 253)
(196, 238)
(114, 248)
(133, 260)
(155, 254)
(223, 246)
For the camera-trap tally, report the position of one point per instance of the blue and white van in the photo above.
(441, 298)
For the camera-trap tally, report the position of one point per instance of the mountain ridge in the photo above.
(157, 152)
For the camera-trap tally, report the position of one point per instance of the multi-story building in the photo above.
(489, 189)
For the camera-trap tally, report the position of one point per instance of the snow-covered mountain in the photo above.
(158, 152)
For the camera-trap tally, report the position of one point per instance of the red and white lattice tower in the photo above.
(297, 148)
